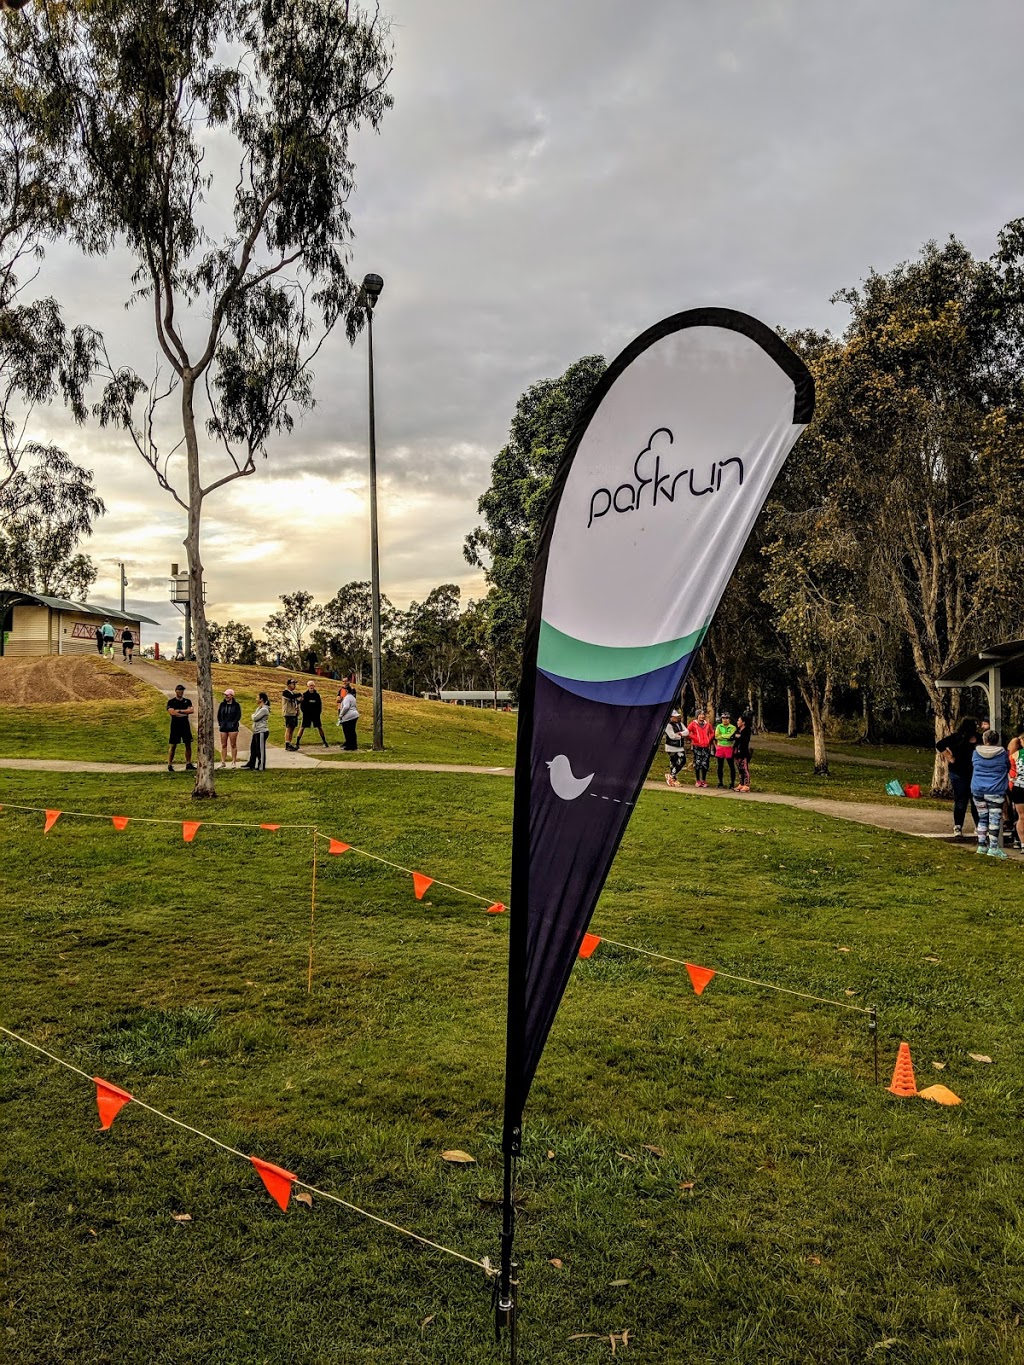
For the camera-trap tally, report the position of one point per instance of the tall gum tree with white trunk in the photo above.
(210, 141)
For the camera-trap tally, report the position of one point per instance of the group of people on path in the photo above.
(988, 778)
(301, 711)
(729, 744)
(105, 638)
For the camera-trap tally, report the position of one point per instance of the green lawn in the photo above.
(132, 731)
(797, 1213)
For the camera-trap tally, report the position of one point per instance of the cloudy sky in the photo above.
(555, 176)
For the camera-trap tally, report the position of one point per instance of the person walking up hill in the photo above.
(988, 787)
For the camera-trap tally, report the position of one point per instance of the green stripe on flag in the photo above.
(567, 657)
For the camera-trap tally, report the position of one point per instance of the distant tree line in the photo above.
(887, 551)
(432, 646)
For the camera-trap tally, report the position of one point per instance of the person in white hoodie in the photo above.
(989, 782)
(260, 731)
(348, 714)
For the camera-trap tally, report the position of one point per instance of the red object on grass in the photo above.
(189, 829)
(270, 826)
(496, 909)
(277, 1180)
(110, 1100)
(913, 791)
(699, 977)
(336, 846)
(52, 816)
(590, 942)
(119, 821)
(420, 884)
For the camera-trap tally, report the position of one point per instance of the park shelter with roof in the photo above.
(993, 669)
(32, 623)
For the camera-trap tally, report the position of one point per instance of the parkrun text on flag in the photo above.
(656, 495)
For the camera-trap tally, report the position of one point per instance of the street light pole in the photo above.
(124, 582)
(372, 286)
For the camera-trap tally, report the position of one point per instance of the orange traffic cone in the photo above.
(903, 1082)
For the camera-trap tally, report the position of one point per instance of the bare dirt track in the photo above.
(65, 677)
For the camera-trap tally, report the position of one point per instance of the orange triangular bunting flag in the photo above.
(903, 1082)
(270, 826)
(119, 821)
(277, 1180)
(336, 846)
(110, 1100)
(496, 909)
(420, 884)
(52, 816)
(699, 976)
(590, 942)
(189, 829)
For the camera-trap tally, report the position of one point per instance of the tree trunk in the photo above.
(869, 729)
(942, 701)
(759, 712)
(826, 702)
(791, 729)
(204, 786)
(811, 693)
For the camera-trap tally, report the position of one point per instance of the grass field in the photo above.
(789, 1212)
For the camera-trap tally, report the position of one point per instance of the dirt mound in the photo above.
(64, 677)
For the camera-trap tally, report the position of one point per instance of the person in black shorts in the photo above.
(181, 729)
(290, 710)
(311, 705)
(127, 644)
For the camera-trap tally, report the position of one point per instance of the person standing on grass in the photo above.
(675, 748)
(958, 751)
(229, 717)
(741, 751)
(109, 635)
(1016, 752)
(260, 731)
(989, 784)
(348, 715)
(290, 711)
(181, 729)
(701, 738)
(311, 705)
(724, 734)
(128, 644)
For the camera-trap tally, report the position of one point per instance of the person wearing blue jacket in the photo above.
(989, 781)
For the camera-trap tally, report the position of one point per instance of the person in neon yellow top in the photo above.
(724, 732)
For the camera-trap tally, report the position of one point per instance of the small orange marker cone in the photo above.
(420, 883)
(110, 1100)
(496, 909)
(189, 829)
(336, 846)
(277, 1180)
(699, 977)
(941, 1094)
(119, 821)
(903, 1082)
(590, 942)
(52, 816)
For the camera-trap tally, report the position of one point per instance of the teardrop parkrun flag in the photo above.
(652, 504)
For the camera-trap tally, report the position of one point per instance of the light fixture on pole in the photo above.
(372, 286)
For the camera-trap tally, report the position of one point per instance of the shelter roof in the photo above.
(35, 599)
(1008, 657)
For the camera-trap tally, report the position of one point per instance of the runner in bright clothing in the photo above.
(701, 738)
(724, 732)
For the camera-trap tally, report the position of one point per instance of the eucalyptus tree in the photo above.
(209, 141)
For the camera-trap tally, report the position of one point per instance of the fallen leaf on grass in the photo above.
(843, 950)
(427, 1321)
(555, 1262)
(304, 1198)
(551, 1156)
(182, 1217)
(939, 1066)
(931, 959)
(654, 1151)
(978, 1057)
(93, 1232)
(458, 1158)
(883, 1345)
(687, 1186)
(625, 1156)
(814, 1260)
(617, 1284)
(851, 992)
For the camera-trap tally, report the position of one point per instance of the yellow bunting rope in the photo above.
(481, 1264)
